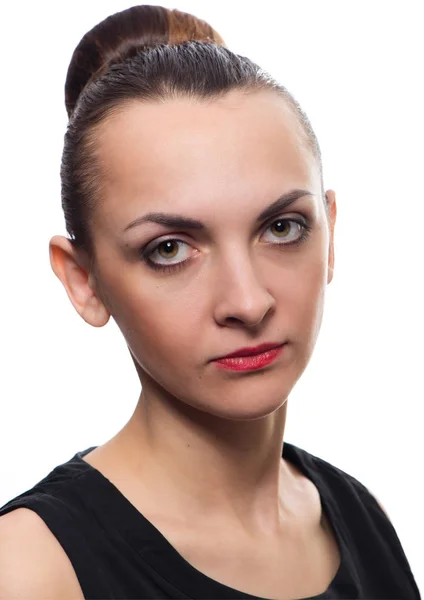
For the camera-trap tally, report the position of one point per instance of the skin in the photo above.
(206, 437)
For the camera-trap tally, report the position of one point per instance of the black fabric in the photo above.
(117, 553)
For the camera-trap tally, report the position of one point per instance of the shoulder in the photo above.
(33, 561)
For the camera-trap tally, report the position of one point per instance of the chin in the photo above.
(242, 406)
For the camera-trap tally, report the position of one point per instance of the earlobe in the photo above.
(78, 283)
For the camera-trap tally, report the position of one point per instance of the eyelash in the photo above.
(306, 228)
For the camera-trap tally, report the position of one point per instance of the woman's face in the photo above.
(237, 281)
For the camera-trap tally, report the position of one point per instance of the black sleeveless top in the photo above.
(117, 553)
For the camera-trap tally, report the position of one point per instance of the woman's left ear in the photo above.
(330, 196)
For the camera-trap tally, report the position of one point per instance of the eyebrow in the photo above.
(179, 221)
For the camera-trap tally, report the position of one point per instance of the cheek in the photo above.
(311, 299)
(300, 292)
(162, 323)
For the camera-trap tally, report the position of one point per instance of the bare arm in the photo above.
(32, 562)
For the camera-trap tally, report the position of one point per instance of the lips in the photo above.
(252, 351)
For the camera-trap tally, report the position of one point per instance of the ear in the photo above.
(71, 266)
(330, 196)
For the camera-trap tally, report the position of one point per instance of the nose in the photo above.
(241, 295)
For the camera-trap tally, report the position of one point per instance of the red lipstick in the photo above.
(246, 359)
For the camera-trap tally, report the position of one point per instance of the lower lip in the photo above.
(250, 363)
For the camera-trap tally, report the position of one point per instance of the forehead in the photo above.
(186, 150)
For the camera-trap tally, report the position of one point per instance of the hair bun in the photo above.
(125, 33)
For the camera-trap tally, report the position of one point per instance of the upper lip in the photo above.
(252, 350)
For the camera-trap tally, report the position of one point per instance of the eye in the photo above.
(294, 230)
(166, 250)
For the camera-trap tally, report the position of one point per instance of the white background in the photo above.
(356, 67)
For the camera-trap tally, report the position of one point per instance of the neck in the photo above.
(231, 471)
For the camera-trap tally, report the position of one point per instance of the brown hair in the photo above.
(149, 53)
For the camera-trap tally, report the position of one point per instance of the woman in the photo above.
(193, 195)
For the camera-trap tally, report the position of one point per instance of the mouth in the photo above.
(252, 361)
(252, 351)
